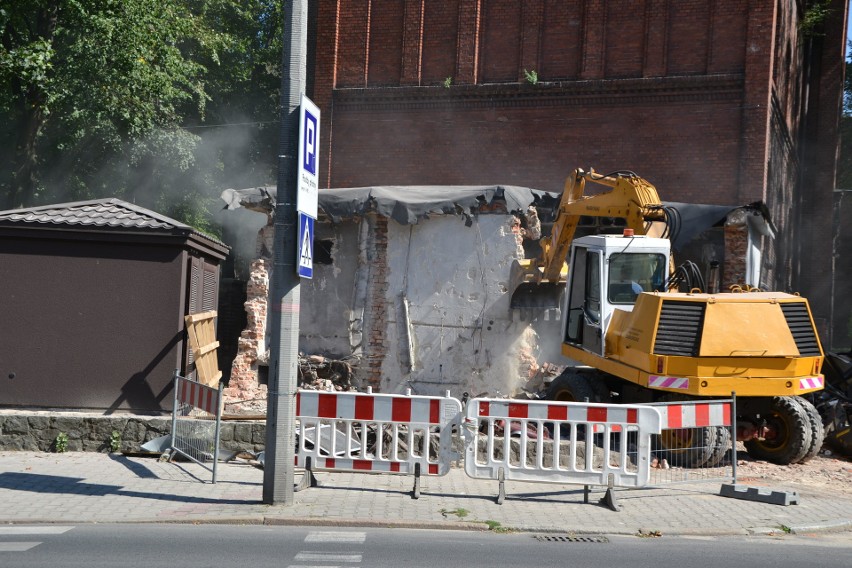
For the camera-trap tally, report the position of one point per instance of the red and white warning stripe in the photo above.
(598, 414)
(370, 407)
(339, 464)
(695, 414)
(198, 395)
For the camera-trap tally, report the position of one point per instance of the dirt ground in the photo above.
(827, 473)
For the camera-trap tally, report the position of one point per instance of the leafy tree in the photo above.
(128, 98)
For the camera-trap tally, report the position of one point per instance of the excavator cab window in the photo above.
(593, 286)
(633, 273)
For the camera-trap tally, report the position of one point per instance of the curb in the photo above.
(841, 525)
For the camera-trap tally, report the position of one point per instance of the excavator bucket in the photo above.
(529, 292)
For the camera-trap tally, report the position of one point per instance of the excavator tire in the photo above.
(793, 433)
(687, 447)
(572, 386)
(817, 430)
(721, 445)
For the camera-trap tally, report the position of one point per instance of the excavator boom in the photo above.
(539, 282)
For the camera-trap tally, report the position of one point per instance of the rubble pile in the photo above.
(320, 373)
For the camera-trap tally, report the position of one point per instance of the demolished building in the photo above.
(411, 288)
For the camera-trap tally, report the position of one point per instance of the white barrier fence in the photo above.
(559, 442)
(365, 432)
(607, 445)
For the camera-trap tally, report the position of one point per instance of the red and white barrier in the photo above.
(559, 442)
(365, 432)
(198, 395)
(694, 414)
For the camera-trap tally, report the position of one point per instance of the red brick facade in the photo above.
(722, 101)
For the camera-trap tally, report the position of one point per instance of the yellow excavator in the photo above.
(638, 331)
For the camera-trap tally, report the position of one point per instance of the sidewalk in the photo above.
(102, 488)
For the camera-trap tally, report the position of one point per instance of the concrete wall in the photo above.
(439, 286)
(455, 282)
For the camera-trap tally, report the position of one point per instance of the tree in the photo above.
(111, 98)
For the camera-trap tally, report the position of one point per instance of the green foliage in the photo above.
(460, 513)
(160, 102)
(531, 76)
(115, 441)
(813, 18)
(448, 82)
(60, 444)
(495, 526)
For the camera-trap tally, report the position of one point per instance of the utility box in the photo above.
(94, 296)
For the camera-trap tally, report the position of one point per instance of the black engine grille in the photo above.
(799, 322)
(679, 330)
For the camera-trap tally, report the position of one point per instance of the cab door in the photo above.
(584, 301)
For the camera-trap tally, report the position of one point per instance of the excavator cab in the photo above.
(608, 273)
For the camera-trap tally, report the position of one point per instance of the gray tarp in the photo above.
(408, 204)
(404, 204)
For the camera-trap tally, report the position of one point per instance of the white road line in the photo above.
(16, 530)
(17, 546)
(334, 536)
(311, 556)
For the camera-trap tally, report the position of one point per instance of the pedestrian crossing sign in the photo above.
(306, 246)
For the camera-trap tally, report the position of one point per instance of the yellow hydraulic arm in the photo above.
(631, 198)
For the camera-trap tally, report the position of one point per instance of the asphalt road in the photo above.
(258, 546)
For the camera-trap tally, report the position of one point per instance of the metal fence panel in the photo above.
(196, 421)
(696, 443)
(559, 442)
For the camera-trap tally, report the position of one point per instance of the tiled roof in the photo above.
(97, 213)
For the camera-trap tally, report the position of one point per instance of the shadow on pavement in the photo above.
(39, 483)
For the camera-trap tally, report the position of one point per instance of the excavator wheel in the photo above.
(817, 430)
(688, 447)
(792, 433)
(572, 386)
(721, 445)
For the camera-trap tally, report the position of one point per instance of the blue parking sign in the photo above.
(306, 246)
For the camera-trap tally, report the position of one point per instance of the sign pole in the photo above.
(284, 298)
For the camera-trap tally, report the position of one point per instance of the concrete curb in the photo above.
(835, 526)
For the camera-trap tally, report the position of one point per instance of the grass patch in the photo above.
(460, 513)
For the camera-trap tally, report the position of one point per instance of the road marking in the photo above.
(311, 556)
(17, 546)
(332, 536)
(15, 530)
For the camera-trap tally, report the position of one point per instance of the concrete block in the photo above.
(759, 494)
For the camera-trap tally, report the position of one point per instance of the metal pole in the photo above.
(175, 409)
(217, 433)
(734, 436)
(284, 299)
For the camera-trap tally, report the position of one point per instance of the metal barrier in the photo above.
(559, 442)
(194, 434)
(695, 442)
(365, 432)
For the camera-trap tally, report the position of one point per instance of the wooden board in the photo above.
(201, 330)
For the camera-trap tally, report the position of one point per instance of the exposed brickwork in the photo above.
(376, 311)
(244, 393)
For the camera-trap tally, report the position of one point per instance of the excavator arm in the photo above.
(539, 282)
